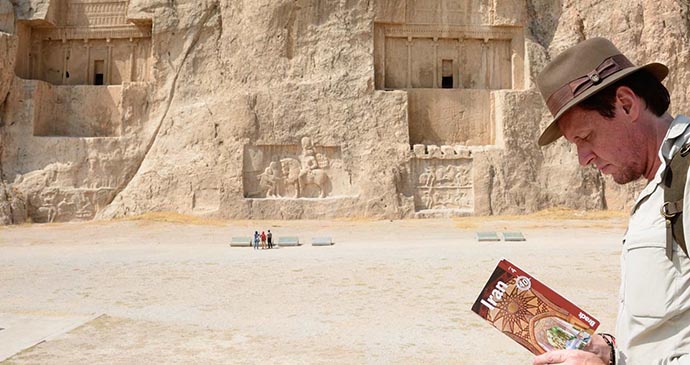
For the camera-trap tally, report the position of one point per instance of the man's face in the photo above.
(611, 145)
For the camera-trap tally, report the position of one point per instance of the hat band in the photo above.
(571, 90)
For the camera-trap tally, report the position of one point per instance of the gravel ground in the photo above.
(394, 292)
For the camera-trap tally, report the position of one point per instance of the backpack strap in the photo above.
(673, 183)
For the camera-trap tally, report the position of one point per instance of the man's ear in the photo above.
(628, 102)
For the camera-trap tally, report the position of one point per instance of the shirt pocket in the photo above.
(649, 279)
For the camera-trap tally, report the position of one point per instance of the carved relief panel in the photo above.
(68, 204)
(443, 184)
(446, 11)
(294, 171)
(71, 191)
(94, 12)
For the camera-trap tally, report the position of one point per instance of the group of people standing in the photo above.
(266, 240)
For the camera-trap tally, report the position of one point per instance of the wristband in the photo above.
(611, 341)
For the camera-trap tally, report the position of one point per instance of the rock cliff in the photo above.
(301, 109)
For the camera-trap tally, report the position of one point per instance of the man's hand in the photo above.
(568, 357)
(597, 352)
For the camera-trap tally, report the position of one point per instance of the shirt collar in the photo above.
(672, 143)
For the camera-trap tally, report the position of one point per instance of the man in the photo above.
(616, 115)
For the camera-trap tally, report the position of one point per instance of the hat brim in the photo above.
(553, 131)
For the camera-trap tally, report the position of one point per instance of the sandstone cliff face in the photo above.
(301, 109)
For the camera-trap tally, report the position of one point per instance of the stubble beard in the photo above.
(628, 175)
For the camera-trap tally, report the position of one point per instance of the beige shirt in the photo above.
(653, 324)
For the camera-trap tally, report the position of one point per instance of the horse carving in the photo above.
(301, 178)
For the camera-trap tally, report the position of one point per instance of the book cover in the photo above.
(532, 314)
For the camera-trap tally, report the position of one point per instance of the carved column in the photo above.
(88, 62)
(65, 60)
(108, 61)
(132, 58)
(37, 60)
(409, 62)
(483, 68)
(458, 84)
(382, 51)
(435, 85)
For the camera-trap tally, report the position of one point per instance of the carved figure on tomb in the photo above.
(301, 179)
(427, 178)
(48, 209)
(463, 200)
(312, 169)
(318, 178)
(443, 173)
(84, 207)
(270, 180)
(428, 199)
(442, 185)
(308, 156)
(461, 176)
(444, 200)
(66, 209)
(291, 170)
(322, 161)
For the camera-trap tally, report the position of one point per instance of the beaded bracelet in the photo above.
(611, 341)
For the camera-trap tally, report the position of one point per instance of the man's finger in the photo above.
(552, 357)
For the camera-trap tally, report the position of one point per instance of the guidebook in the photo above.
(531, 313)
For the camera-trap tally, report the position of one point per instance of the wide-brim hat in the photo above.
(580, 72)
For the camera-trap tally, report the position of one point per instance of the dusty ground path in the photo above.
(386, 293)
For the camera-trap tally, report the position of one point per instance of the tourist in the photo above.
(269, 237)
(256, 240)
(616, 115)
(263, 240)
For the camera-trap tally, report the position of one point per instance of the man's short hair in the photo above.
(642, 83)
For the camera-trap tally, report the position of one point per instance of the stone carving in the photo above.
(313, 172)
(49, 207)
(271, 180)
(433, 57)
(66, 192)
(421, 151)
(462, 12)
(95, 13)
(68, 204)
(450, 69)
(443, 184)
(92, 44)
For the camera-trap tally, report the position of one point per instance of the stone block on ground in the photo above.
(513, 236)
(487, 236)
(288, 241)
(322, 241)
(241, 242)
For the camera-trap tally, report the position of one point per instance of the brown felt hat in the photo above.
(580, 72)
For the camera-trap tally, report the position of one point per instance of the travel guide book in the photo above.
(530, 313)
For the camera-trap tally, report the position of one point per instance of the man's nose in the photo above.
(585, 155)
